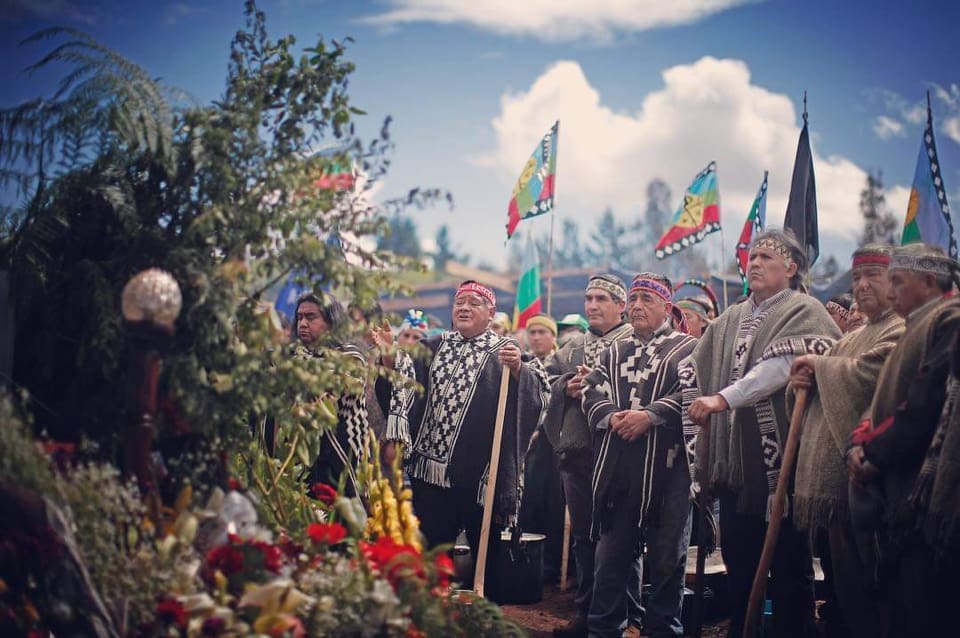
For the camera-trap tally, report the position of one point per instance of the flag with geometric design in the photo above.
(928, 214)
(697, 217)
(756, 220)
(534, 192)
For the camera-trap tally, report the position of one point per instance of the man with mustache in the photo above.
(449, 428)
(641, 485)
(737, 378)
(565, 426)
(841, 386)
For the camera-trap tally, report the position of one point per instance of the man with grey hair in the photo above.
(736, 379)
(841, 386)
(565, 426)
(889, 446)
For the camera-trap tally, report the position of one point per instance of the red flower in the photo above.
(227, 558)
(326, 533)
(170, 611)
(444, 566)
(393, 560)
(272, 556)
(324, 493)
(213, 626)
(234, 484)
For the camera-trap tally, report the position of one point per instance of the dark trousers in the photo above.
(923, 590)
(576, 474)
(791, 585)
(618, 573)
(541, 511)
(854, 557)
(444, 511)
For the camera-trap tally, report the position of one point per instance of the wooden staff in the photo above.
(702, 534)
(490, 491)
(565, 552)
(776, 515)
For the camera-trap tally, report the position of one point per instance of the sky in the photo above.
(643, 89)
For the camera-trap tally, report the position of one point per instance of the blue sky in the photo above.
(642, 89)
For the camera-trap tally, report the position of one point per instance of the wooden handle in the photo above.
(751, 622)
(702, 534)
(490, 491)
(565, 553)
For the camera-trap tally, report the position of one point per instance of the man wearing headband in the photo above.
(737, 380)
(449, 427)
(413, 328)
(890, 444)
(641, 485)
(566, 428)
(696, 314)
(841, 387)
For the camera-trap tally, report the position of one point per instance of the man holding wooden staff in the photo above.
(641, 486)
(841, 385)
(565, 426)
(740, 371)
(449, 429)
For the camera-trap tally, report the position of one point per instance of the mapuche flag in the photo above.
(529, 302)
(928, 214)
(801, 215)
(756, 220)
(533, 194)
(697, 217)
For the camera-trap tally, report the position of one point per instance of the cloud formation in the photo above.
(707, 110)
(553, 20)
(886, 127)
(901, 112)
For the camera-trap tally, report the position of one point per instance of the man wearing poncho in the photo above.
(565, 426)
(641, 484)
(453, 421)
(842, 387)
(737, 378)
(889, 446)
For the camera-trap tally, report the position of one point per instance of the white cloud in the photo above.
(553, 20)
(707, 110)
(886, 127)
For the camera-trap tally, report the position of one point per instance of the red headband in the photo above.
(871, 260)
(478, 289)
(650, 285)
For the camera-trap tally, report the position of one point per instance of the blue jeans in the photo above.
(666, 537)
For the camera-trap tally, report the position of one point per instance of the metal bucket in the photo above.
(517, 570)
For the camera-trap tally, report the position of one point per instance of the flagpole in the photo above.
(723, 260)
(553, 216)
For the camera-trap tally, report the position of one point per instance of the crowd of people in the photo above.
(629, 415)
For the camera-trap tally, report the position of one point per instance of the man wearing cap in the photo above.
(455, 416)
(841, 385)
(889, 446)
(737, 379)
(565, 426)
(571, 326)
(641, 485)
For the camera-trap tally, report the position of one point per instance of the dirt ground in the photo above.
(556, 609)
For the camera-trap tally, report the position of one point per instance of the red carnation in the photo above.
(170, 611)
(393, 560)
(227, 558)
(444, 566)
(326, 533)
(272, 556)
(324, 493)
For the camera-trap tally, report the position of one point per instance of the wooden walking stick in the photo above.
(776, 515)
(565, 552)
(490, 491)
(702, 534)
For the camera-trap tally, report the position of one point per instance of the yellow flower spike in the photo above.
(184, 498)
(220, 581)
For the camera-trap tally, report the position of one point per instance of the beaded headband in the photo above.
(928, 264)
(769, 243)
(657, 288)
(840, 310)
(871, 260)
(616, 290)
(477, 289)
(693, 306)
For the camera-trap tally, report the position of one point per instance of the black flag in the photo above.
(801, 215)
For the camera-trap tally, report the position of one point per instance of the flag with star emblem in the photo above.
(534, 193)
(928, 214)
(697, 217)
(754, 224)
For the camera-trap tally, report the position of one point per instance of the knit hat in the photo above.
(543, 320)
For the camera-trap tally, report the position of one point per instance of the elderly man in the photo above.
(696, 313)
(454, 418)
(741, 367)
(565, 426)
(841, 385)
(890, 444)
(641, 484)
(318, 326)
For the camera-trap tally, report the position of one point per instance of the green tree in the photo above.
(569, 254)
(445, 251)
(400, 237)
(879, 224)
(118, 176)
(606, 241)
